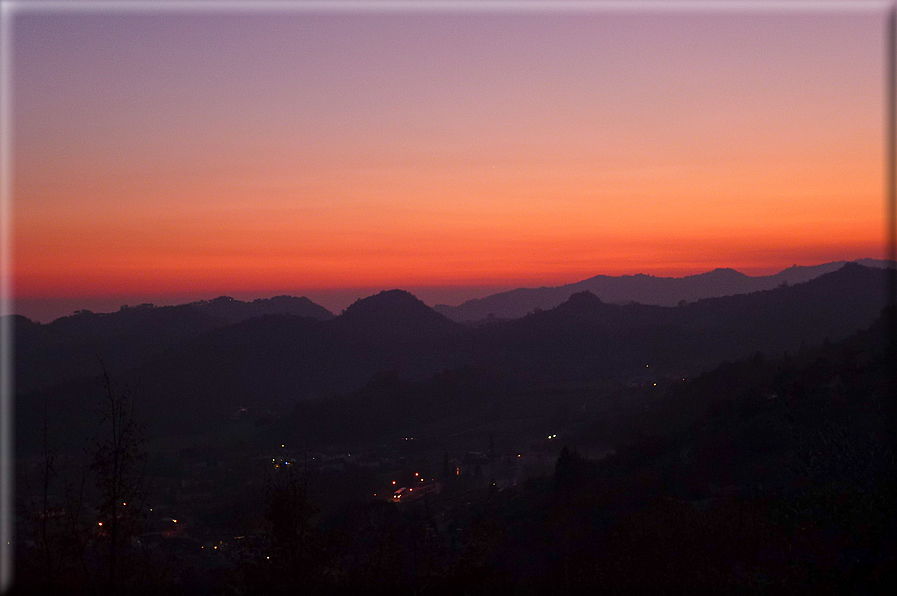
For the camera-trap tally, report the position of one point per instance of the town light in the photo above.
(175, 521)
(99, 523)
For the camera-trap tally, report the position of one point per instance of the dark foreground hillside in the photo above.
(762, 475)
(770, 474)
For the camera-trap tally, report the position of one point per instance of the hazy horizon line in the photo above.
(45, 309)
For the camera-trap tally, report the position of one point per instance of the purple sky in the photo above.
(170, 155)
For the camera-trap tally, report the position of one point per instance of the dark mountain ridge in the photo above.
(276, 361)
(641, 288)
(234, 311)
(389, 404)
(48, 353)
(586, 337)
(393, 314)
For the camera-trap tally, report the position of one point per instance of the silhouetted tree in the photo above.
(119, 464)
(296, 553)
(56, 562)
(48, 538)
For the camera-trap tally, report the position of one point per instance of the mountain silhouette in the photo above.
(586, 337)
(234, 311)
(277, 361)
(65, 348)
(394, 314)
(641, 288)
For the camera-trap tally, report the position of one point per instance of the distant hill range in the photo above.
(193, 369)
(65, 348)
(641, 288)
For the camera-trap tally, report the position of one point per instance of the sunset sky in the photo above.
(164, 155)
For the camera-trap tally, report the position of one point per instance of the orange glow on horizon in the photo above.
(465, 152)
